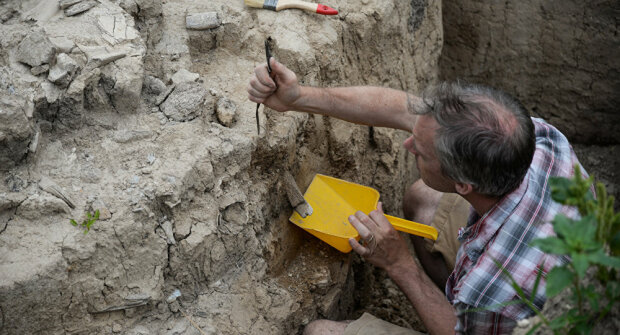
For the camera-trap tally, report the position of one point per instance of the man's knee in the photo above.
(420, 202)
(325, 327)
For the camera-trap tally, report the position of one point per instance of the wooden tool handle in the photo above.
(311, 7)
(414, 228)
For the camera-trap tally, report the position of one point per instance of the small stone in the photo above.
(67, 3)
(202, 21)
(150, 158)
(174, 306)
(152, 87)
(62, 44)
(134, 180)
(36, 49)
(104, 212)
(80, 7)
(116, 328)
(185, 103)
(63, 72)
(184, 76)
(164, 95)
(523, 323)
(37, 70)
(226, 112)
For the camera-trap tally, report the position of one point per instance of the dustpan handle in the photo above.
(411, 227)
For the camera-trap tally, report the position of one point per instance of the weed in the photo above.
(88, 222)
(591, 241)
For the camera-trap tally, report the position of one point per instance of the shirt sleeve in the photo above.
(478, 321)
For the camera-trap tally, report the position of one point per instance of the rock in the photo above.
(80, 7)
(186, 102)
(99, 56)
(128, 136)
(49, 186)
(40, 205)
(202, 21)
(36, 49)
(164, 95)
(114, 29)
(167, 227)
(16, 129)
(151, 89)
(62, 44)
(104, 212)
(184, 76)
(63, 4)
(64, 71)
(226, 111)
(37, 70)
(124, 83)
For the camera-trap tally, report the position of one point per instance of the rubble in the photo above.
(190, 205)
(80, 7)
(226, 111)
(188, 101)
(202, 21)
(63, 71)
(184, 76)
(36, 49)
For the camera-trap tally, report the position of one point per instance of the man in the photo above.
(473, 146)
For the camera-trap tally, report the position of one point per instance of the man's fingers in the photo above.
(259, 88)
(360, 227)
(365, 219)
(281, 71)
(263, 76)
(358, 247)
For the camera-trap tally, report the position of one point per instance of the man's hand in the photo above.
(383, 246)
(278, 90)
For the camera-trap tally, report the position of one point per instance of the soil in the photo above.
(149, 123)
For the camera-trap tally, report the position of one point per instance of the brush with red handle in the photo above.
(278, 5)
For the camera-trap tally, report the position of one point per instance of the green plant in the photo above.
(592, 241)
(88, 222)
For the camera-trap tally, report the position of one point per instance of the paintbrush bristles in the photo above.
(254, 3)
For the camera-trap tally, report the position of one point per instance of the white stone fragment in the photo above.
(63, 72)
(80, 7)
(62, 44)
(67, 3)
(184, 76)
(202, 21)
(35, 49)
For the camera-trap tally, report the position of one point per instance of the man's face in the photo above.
(422, 145)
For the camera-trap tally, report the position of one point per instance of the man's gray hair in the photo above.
(485, 136)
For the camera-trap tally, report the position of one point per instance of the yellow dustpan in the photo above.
(333, 200)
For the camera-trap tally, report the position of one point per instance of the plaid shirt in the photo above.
(503, 234)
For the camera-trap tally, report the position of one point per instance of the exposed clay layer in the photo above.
(151, 125)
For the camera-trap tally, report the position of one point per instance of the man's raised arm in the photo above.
(375, 106)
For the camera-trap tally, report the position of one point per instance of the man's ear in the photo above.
(463, 188)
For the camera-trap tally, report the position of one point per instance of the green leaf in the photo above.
(580, 263)
(97, 215)
(558, 279)
(563, 226)
(559, 188)
(614, 244)
(73, 222)
(539, 275)
(88, 215)
(601, 258)
(551, 245)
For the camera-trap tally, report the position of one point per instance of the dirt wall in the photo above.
(560, 58)
(120, 108)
